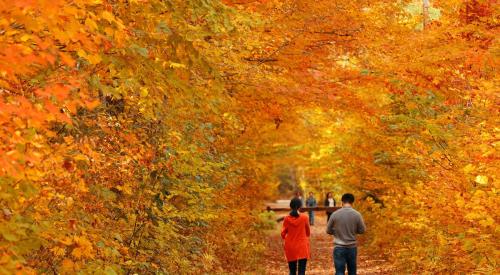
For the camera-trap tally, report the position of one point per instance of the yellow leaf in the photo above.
(482, 180)
(488, 221)
(473, 216)
(90, 24)
(81, 53)
(94, 59)
(108, 16)
(468, 168)
(82, 187)
(81, 157)
(58, 251)
(25, 37)
(174, 65)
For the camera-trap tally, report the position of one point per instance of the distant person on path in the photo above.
(311, 202)
(329, 202)
(296, 234)
(299, 196)
(344, 224)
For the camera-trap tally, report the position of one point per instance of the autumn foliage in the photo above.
(115, 127)
(142, 136)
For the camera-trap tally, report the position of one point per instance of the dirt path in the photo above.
(321, 254)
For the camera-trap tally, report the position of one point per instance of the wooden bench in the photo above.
(303, 209)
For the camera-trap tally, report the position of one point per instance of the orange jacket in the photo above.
(296, 234)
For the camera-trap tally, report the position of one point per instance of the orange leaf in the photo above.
(67, 59)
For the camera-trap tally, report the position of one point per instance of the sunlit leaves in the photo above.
(132, 133)
(113, 138)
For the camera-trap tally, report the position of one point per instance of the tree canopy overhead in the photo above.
(137, 136)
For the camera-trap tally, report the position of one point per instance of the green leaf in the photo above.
(109, 271)
(162, 27)
(9, 236)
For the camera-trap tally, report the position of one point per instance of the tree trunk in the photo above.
(425, 12)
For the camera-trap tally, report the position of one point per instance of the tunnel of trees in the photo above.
(144, 136)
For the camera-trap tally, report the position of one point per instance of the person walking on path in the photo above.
(311, 202)
(296, 232)
(344, 224)
(329, 202)
(299, 196)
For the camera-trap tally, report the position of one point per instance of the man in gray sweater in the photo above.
(344, 224)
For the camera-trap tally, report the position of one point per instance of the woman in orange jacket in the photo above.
(296, 234)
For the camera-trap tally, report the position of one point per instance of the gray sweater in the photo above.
(344, 224)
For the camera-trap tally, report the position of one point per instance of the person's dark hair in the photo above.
(328, 194)
(348, 198)
(295, 204)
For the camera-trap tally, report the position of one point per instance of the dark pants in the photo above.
(343, 256)
(311, 217)
(302, 267)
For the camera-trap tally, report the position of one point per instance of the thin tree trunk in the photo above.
(425, 11)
